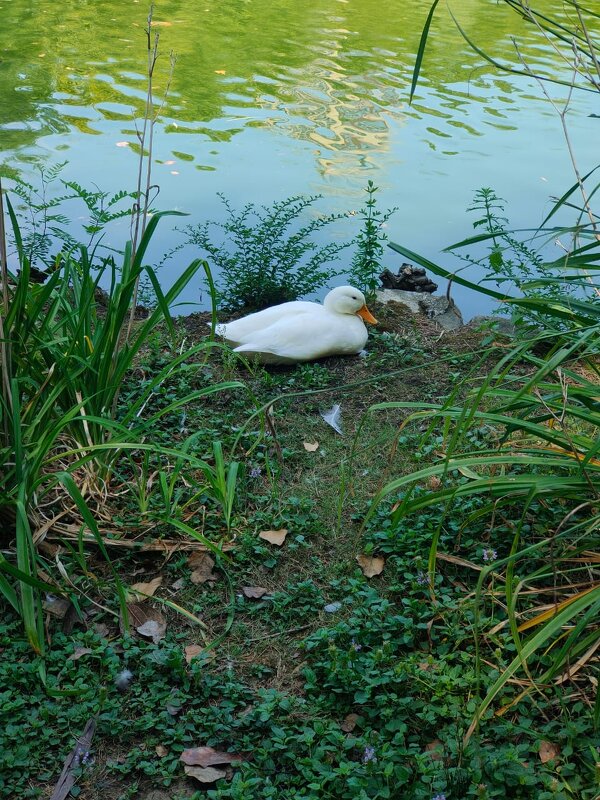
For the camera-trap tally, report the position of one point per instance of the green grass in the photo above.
(282, 673)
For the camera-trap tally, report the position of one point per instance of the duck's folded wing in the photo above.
(304, 339)
(241, 330)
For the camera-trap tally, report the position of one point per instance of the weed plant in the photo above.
(366, 264)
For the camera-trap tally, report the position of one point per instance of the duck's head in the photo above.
(348, 300)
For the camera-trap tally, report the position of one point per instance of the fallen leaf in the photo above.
(434, 482)
(220, 72)
(141, 590)
(435, 749)
(57, 606)
(161, 750)
(178, 584)
(78, 652)
(71, 766)
(101, 629)
(147, 621)
(153, 629)
(311, 446)
(548, 752)
(191, 651)
(202, 566)
(371, 565)
(205, 774)
(254, 592)
(349, 723)
(207, 757)
(274, 537)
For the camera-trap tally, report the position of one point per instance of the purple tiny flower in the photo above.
(255, 472)
(369, 755)
(439, 797)
(422, 579)
(356, 646)
(489, 554)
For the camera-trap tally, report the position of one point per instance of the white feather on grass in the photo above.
(333, 417)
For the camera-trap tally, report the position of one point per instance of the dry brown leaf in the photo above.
(274, 537)
(161, 750)
(101, 629)
(56, 606)
(71, 766)
(433, 482)
(254, 592)
(435, 749)
(191, 651)
(207, 757)
(370, 565)
(78, 652)
(349, 723)
(141, 590)
(205, 774)
(548, 752)
(147, 621)
(202, 566)
(310, 447)
(153, 629)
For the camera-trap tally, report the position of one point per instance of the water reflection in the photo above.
(274, 97)
(330, 73)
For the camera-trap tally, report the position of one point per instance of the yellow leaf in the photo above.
(140, 590)
(371, 565)
(552, 612)
(191, 651)
(548, 752)
(274, 537)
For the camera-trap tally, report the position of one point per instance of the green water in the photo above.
(274, 97)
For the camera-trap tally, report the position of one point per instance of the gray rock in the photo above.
(437, 307)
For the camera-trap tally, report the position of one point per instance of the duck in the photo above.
(300, 330)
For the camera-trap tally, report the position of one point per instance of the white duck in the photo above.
(303, 331)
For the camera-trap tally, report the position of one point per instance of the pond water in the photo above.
(272, 98)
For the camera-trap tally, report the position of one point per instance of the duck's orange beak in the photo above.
(366, 315)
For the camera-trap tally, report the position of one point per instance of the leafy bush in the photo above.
(267, 256)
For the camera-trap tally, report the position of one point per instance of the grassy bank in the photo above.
(324, 681)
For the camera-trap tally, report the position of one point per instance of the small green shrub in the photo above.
(267, 256)
(366, 263)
